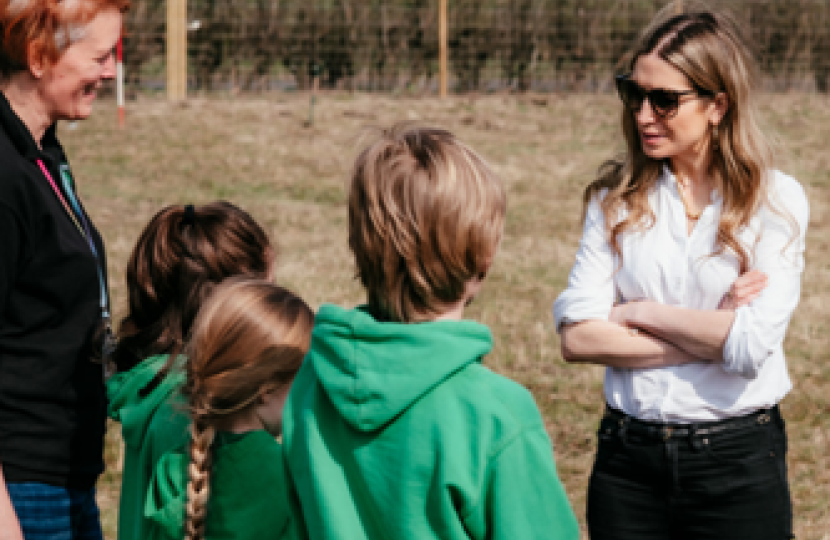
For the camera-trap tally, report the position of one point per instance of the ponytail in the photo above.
(182, 254)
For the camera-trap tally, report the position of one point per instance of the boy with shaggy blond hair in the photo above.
(393, 429)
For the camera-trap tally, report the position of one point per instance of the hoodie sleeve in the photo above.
(167, 497)
(123, 388)
(297, 528)
(525, 498)
(116, 394)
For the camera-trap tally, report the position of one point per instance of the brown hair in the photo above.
(180, 256)
(426, 215)
(710, 51)
(48, 25)
(250, 338)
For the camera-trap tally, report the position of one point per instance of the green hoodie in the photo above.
(396, 431)
(247, 499)
(150, 425)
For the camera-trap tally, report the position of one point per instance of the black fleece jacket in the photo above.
(52, 397)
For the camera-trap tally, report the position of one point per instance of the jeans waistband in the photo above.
(666, 431)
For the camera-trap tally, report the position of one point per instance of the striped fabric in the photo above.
(55, 513)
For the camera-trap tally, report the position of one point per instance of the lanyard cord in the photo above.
(85, 232)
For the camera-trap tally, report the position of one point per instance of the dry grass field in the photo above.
(261, 155)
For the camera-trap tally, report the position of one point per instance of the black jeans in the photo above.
(650, 483)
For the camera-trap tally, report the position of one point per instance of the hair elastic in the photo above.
(189, 215)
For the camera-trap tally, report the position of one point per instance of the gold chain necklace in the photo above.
(689, 214)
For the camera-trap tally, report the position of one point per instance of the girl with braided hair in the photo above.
(248, 343)
(182, 254)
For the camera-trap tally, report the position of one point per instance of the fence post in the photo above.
(315, 87)
(176, 50)
(443, 48)
(679, 7)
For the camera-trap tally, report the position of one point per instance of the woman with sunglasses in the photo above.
(685, 280)
(53, 294)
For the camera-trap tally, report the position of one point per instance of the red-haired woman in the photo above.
(692, 444)
(53, 293)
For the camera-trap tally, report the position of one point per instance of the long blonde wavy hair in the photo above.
(249, 337)
(709, 50)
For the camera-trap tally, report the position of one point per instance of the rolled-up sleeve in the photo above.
(590, 293)
(759, 328)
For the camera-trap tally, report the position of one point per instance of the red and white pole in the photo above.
(119, 80)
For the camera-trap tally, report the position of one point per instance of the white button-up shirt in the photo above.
(666, 264)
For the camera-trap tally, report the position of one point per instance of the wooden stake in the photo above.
(315, 87)
(443, 47)
(176, 50)
(679, 7)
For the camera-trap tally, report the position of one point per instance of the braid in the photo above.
(198, 485)
(249, 338)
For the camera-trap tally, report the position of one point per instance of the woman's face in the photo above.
(69, 86)
(686, 132)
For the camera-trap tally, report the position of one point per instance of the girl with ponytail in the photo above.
(248, 343)
(182, 254)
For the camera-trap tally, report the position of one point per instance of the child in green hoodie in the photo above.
(394, 430)
(228, 483)
(180, 256)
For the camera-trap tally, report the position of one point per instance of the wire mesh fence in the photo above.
(494, 45)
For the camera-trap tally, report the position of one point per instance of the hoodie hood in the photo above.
(373, 371)
(130, 408)
(151, 425)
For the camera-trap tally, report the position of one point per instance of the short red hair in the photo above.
(46, 24)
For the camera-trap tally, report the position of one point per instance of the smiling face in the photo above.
(69, 86)
(688, 131)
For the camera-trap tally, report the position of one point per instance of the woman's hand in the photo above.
(9, 526)
(698, 333)
(745, 289)
(624, 312)
(618, 314)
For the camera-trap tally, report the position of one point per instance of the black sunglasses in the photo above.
(664, 102)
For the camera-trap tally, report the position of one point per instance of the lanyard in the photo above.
(84, 230)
